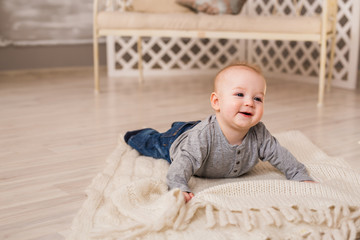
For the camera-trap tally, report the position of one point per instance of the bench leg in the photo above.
(140, 64)
(322, 72)
(331, 63)
(96, 64)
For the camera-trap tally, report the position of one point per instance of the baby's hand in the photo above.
(188, 196)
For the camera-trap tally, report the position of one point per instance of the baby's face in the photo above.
(240, 93)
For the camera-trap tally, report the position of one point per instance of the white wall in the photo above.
(358, 77)
(44, 22)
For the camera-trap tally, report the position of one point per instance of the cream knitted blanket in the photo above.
(130, 200)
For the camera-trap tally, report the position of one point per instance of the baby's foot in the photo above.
(129, 134)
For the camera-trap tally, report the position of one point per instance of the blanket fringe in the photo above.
(335, 222)
(332, 222)
(340, 222)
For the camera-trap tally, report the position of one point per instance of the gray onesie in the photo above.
(203, 151)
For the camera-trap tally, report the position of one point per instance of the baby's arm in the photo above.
(182, 168)
(187, 154)
(281, 158)
(179, 173)
(289, 165)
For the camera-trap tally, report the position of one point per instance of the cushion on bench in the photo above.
(204, 22)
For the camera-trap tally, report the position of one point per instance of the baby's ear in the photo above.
(214, 101)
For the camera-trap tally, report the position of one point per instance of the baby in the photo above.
(227, 144)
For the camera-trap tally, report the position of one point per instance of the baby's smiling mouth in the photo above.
(246, 113)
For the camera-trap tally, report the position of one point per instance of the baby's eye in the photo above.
(240, 94)
(258, 99)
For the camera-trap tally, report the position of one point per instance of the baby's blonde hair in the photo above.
(251, 66)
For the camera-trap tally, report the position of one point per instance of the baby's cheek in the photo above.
(235, 106)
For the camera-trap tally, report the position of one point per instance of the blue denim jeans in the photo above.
(151, 143)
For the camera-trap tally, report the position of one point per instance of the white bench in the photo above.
(176, 22)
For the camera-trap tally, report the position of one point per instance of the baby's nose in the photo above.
(249, 102)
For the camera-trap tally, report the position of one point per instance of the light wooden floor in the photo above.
(56, 134)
